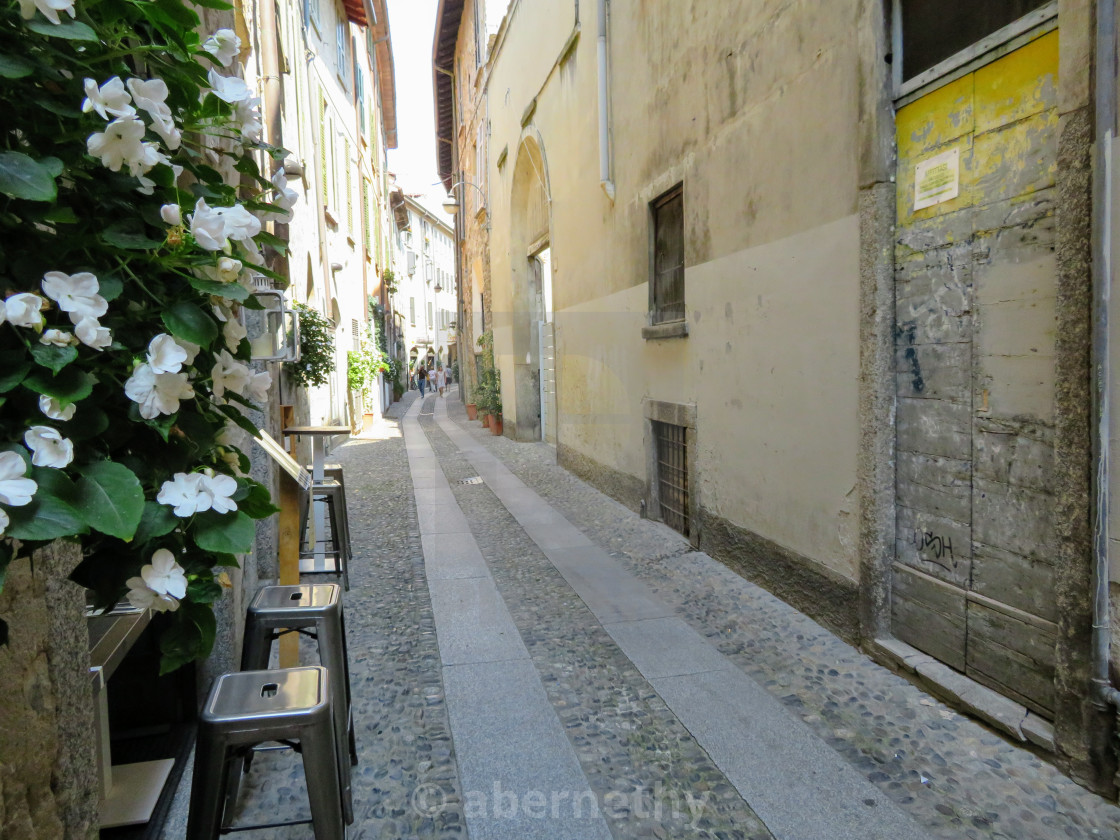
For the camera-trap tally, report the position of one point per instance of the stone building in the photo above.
(820, 282)
(465, 32)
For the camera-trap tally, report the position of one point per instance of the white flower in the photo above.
(92, 334)
(110, 100)
(24, 310)
(247, 115)
(120, 143)
(4, 520)
(54, 410)
(228, 88)
(157, 393)
(58, 338)
(182, 494)
(151, 95)
(150, 156)
(240, 223)
(15, 490)
(229, 269)
(191, 493)
(229, 375)
(192, 350)
(257, 389)
(48, 447)
(233, 331)
(224, 45)
(285, 198)
(142, 598)
(208, 227)
(165, 354)
(49, 8)
(164, 575)
(217, 489)
(171, 214)
(75, 294)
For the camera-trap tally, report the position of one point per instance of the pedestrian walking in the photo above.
(421, 379)
(432, 378)
(441, 379)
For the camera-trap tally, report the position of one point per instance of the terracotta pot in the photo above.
(472, 411)
(496, 424)
(485, 419)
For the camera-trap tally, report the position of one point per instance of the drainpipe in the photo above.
(1104, 693)
(604, 111)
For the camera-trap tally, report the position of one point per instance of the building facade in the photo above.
(814, 286)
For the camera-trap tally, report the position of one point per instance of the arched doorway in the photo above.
(530, 284)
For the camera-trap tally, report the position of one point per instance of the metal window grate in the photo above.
(672, 475)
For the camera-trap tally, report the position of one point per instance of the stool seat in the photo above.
(333, 494)
(248, 707)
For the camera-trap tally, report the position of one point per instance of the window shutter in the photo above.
(324, 171)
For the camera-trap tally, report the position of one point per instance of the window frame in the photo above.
(657, 308)
(984, 51)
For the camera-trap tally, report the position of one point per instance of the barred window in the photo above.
(667, 283)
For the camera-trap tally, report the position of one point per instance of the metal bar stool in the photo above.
(313, 610)
(250, 707)
(338, 547)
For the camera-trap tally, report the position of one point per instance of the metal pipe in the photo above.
(1103, 693)
(604, 110)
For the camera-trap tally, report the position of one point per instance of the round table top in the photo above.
(317, 430)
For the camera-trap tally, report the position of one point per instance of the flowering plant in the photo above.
(127, 241)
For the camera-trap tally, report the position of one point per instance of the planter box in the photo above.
(472, 411)
(496, 424)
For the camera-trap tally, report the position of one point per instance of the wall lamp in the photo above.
(451, 204)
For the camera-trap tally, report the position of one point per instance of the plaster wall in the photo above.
(731, 101)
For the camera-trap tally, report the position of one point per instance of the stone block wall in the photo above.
(48, 772)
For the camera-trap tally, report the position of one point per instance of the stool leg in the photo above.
(257, 646)
(208, 785)
(332, 654)
(320, 768)
(346, 674)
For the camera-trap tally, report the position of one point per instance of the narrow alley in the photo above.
(530, 659)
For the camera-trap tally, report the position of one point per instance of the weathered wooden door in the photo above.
(975, 332)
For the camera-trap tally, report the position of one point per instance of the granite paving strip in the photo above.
(796, 784)
(955, 776)
(647, 773)
(514, 758)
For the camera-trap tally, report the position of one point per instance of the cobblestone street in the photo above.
(531, 659)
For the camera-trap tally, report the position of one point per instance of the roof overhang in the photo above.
(448, 17)
(373, 15)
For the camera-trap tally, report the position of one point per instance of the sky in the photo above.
(412, 27)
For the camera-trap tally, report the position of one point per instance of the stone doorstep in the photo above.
(965, 694)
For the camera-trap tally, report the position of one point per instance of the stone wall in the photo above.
(48, 771)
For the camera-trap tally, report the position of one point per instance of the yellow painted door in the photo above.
(975, 277)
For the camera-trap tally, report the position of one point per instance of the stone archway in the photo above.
(530, 221)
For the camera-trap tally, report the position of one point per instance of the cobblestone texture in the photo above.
(952, 774)
(400, 716)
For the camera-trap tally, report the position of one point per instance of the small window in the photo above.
(936, 30)
(667, 283)
(672, 475)
(356, 333)
(311, 12)
(430, 321)
(412, 311)
(342, 43)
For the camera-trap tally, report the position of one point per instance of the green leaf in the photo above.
(204, 591)
(240, 419)
(252, 302)
(62, 216)
(266, 238)
(257, 502)
(186, 320)
(71, 30)
(51, 513)
(233, 291)
(13, 368)
(110, 286)
(156, 521)
(213, 4)
(15, 67)
(55, 358)
(225, 533)
(88, 423)
(25, 177)
(111, 499)
(228, 560)
(130, 236)
(67, 387)
(53, 165)
(182, 642)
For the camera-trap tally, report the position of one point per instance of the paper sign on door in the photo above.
(937, 179)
